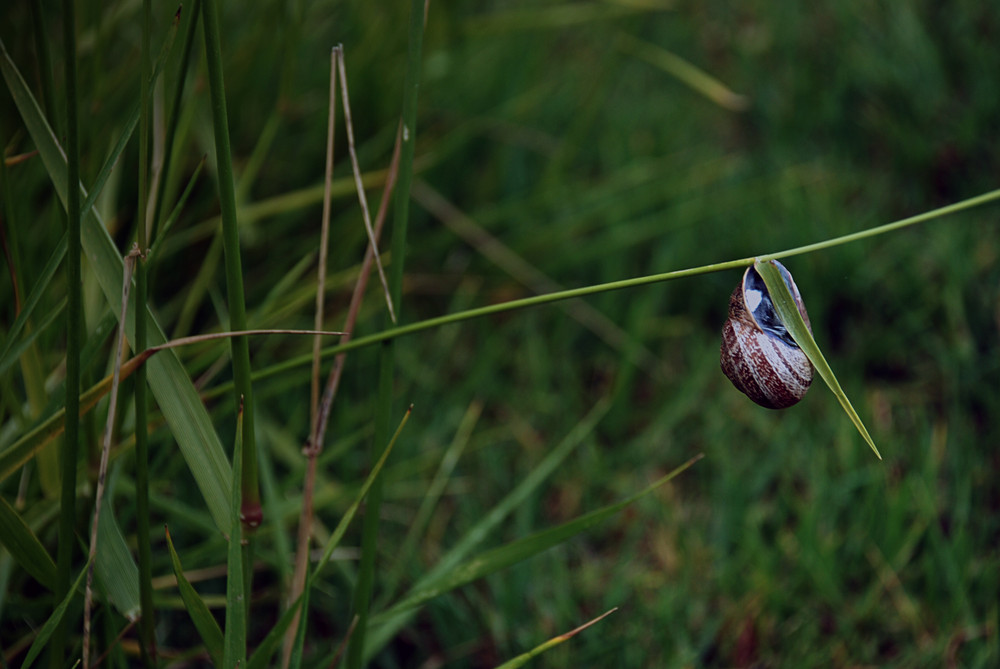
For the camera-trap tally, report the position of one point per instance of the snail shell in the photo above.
(758, 353)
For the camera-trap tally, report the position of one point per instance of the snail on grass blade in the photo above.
(758, 353)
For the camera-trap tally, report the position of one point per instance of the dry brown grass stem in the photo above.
(88, 599)
(314, 444)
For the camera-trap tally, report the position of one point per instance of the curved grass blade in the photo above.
(12, 353)
(784, 304)
(235, 643)
(24, 546)
(116, 570)
(262, 656)
(175, 394)
(381, 634)
(522, 659)
(208, 628)
(519, 550)
(50, 625)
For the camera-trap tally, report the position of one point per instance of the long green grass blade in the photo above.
(381, 634)
(235, 646)
(116, 570)
(518, 551)
(784, 304)
(24, 546)
(261, 657)
(43, 279)
(69, 447)
(11, 354)
(208, 628)
(523, 659)
(175, 394)
(14, 456)
(251, 511)
(50, 625)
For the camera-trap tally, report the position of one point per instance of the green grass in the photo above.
(577, 149)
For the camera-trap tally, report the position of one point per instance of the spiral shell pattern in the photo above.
(758, 354)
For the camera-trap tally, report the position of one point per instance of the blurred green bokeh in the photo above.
(789, 545)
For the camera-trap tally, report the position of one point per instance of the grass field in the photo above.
(558, 145)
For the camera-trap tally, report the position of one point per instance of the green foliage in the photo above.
(563, 136)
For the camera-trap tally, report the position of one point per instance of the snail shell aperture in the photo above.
(758, 353)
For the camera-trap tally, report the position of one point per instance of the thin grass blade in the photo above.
(381, 634)
(208, 628)
(50, 625)
(338, 532)
(784, 304)
(518, 551)
(174, 392)
(235, 646)
(24, 546)
(12, 353)
(115, 568)
(521, 660)
(261, 657)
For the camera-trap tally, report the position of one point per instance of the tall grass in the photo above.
(611, 164)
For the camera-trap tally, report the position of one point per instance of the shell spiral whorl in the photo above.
(758, 354)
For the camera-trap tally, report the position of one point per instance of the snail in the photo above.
(758, 353)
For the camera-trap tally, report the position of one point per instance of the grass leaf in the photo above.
(381, 634)
(208, 628)
(517, 551)
(24, 546)
(50, 625)
(115, 567)
(175, 394)
(784, 304)
(235, 646)
(522, 659)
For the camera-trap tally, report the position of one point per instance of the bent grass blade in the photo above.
(784, 304)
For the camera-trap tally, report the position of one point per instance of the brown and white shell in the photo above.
(758, 354)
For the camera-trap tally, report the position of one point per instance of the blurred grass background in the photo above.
(789, 545)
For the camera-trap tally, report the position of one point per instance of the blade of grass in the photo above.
(339, 59)
(594, 289)
(693, 77)
(46, 633)
(404, 555)
(174, 392)
(178, 95)
(251, 511)
(306, 515)
(517, 551)
(116, 571)
(383, 411)
(15, 352)
(24, 546)
(18, 453)
(69, 447)
(534, 279)
(106, 451)
(147, 645)
(208, 628)
(262, 656)
(521, 660)
(235, 642)
(317, 437)
(381, 634)
(784, 304)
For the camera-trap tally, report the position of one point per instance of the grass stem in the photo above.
(74, 333)
(146, 623)
(383, 410)
(251, 507)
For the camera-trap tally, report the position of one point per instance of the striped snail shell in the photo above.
(758, 353)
